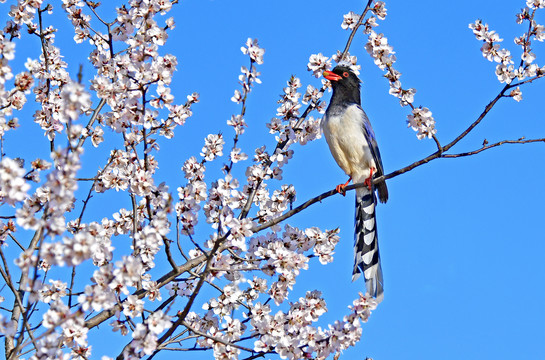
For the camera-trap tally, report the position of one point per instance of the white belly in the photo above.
(347, 143)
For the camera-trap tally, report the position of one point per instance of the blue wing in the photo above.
(373, 146)
(372, 141)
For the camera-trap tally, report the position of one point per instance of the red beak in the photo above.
(331, 76)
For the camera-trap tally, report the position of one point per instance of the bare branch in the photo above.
(486, 147)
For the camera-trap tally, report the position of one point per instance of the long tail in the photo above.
(366, 255)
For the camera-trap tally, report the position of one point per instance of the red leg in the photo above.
(340, 188)
(369, 180)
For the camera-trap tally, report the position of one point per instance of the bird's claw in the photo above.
(341, 188)
(369, 180)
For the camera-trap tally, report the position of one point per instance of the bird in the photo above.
(354, 147)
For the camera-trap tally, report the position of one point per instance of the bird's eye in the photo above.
(345, 74)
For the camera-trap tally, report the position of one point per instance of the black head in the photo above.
(346, 85)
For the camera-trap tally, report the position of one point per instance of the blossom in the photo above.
(310, 130)
(253, 50)
(516, 94)
(422, 122)
(13, 187)
(479, 29)
(492, 52)
(158, 322)
(379, 9)
(350, 20)
(348, 60)
(377, 46)
(143, 341)
(237, 155)
(147, 243)
(24, 81)
(289, 102)
(53, 292)
(184, 288)
(128, 272)
(238, 123)
(239, 230)
(369, 24)
(213, 147)
(406, 96)
(505, 73)
(317, 63)
(75, 100)
(323, 243)
(132, 306)
(97, 136)
(312, 95)
(179, 113)
(193, 170)
(74, 331)
(363, 306)
(535, 4)
(237, 98)
(539, 32)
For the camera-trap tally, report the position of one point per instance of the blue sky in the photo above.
(461, 240)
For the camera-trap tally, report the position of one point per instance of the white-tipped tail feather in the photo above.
(366, 253)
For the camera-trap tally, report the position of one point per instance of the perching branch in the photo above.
(438, 154)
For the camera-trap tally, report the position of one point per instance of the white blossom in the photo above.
(421, 121)
(13, 187)
(317, 63)
(350, 20)
(253, 50)
(213, 147)
(516, 94)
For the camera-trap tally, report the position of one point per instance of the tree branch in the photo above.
(486, 147)
(355, 30)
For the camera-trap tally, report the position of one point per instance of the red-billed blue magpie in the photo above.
(353, 144)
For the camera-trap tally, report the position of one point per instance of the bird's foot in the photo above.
(341, 188)
(369, 180)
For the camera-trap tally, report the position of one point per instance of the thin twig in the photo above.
(486, 147)
(355, 30)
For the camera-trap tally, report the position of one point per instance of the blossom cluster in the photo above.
(253, 50)
(13, 187)
(421, 121)
(248, 77)
(276, 332)
(318, 63)
(289, 128)
(506, 69)
(15, 98)
(191, 195)
(290, 333)
(286, 126)
(384, 57)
